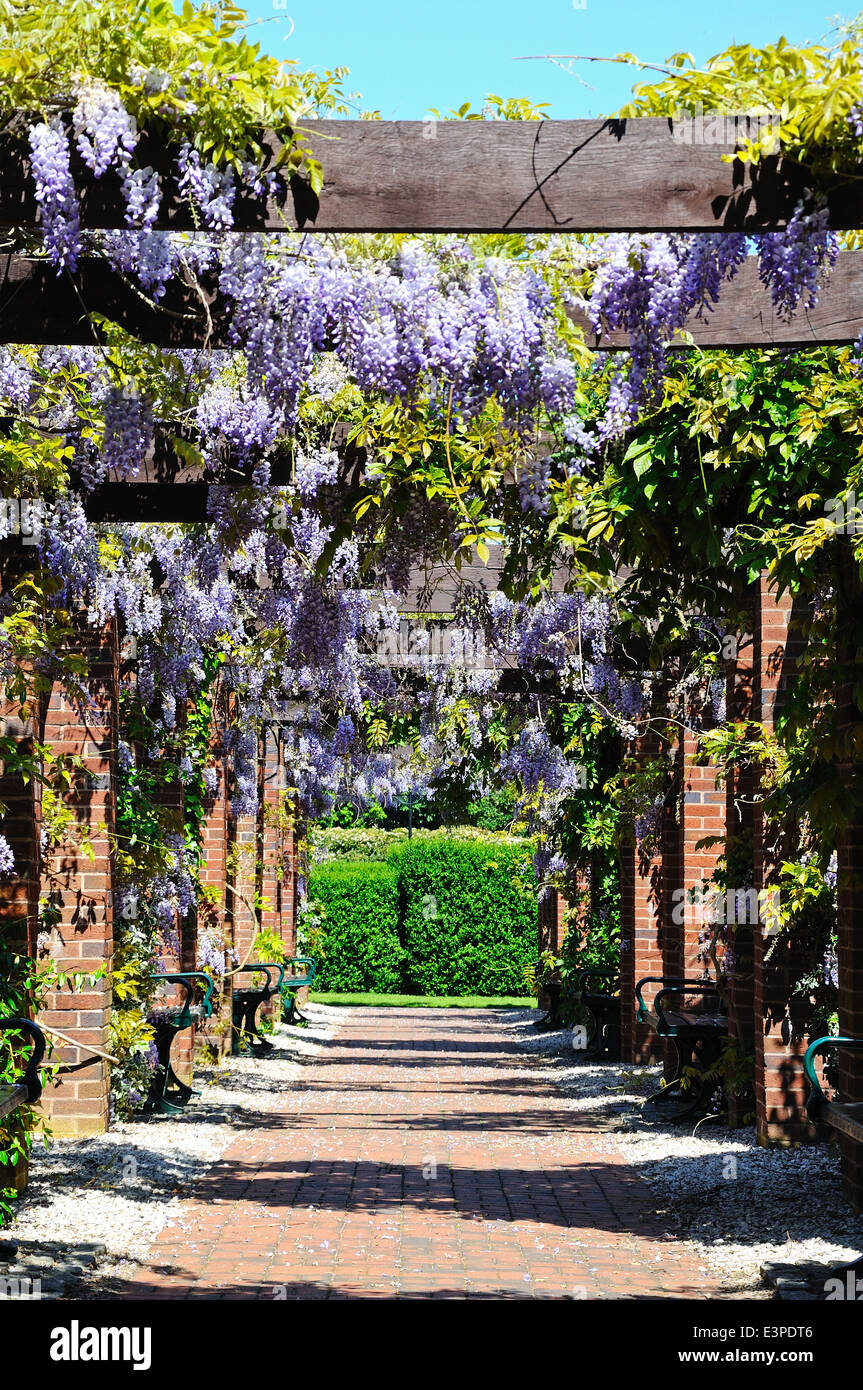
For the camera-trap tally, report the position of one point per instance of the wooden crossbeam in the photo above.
(38, 306)
(644, 174)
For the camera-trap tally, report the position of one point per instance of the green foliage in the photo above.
(143, 50)
(812, 88)
(469, 914)
(270, 946)
(362, 950)
(445, 914)
(491, 812)
(354, 842)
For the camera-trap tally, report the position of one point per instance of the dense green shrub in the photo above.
(468, 912)
(441, 913)
(361, 948)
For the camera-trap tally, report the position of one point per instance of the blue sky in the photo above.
(408, 55)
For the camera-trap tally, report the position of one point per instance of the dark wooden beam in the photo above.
(647, 174)
(148, 501)
(38, 306)
(745, 316)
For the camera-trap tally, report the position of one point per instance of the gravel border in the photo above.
(93, 1207)
(749, 1213)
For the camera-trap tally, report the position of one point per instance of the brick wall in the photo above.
(739, 821)
(780, 1038)
(80, 888)
(215, 1033)
(850, 876)
(644, 890)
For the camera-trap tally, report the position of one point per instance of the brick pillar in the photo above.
(643, 939)
(269, 829)
(702, 816)
(179, 954)
(551, 916)
(850, 865)
(780, 1038)
(242, 883)
(80, 888)
(739, 812)
(214, 912)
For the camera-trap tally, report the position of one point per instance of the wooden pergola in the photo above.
(634, 175)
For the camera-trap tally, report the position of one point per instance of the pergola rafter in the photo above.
(40, 307)
(498, 177)
(643, 174)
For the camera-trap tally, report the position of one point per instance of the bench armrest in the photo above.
(30, 1080)
(296, 981)
(185, 978)
(642, 1011)
(682, 987)
(267, 966)
(817, 1098)
(258, 968)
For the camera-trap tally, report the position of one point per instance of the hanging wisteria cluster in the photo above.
(649, 286)
(272, 581)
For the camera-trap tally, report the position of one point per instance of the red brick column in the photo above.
(269, 830)
(242, 882)
(850, 868)
(81, 888)
(702, 815)
(214, 912)
(739, 819)
(644, 938)
(551, 916)
(780, 1038)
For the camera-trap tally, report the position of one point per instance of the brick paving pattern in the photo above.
(424, 1155)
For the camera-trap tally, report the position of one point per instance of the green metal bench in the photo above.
(28, 1090)
(843, 1116)
(291, 986)
(602, 1010)
(168, 1094)
(698, 1034)
(245, 1004)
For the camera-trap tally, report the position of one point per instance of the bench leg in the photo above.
(692, 1094)
(245, 1036)
(290, 1012)
(168, 1094)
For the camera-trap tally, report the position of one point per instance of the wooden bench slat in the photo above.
(847, 1118)
(11, 1097)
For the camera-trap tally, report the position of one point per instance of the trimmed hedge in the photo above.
(468, 913)
(362, 950)
(444, 914)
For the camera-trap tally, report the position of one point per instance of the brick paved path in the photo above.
(423, 1154)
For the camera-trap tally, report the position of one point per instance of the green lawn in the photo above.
(427, 1001)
